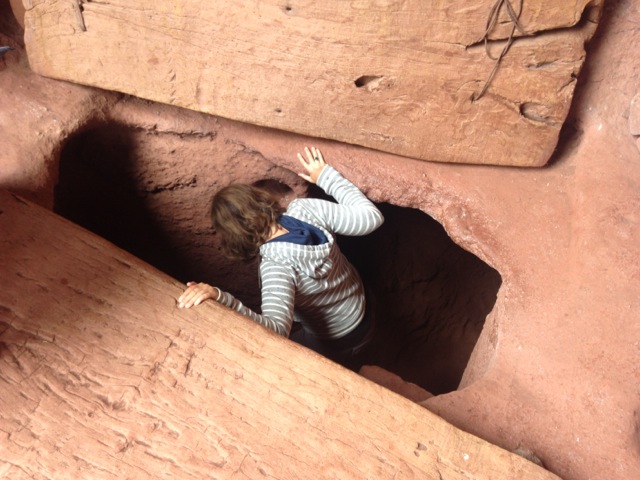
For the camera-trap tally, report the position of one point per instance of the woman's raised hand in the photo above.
(196, 293)
(314, 164)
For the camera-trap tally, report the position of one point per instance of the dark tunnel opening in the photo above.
(432, 296)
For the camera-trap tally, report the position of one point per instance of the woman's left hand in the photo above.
(196, 293)
(314, 164)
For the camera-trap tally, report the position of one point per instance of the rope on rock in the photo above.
(514, 17)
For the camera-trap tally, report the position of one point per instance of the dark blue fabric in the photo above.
(300, 233)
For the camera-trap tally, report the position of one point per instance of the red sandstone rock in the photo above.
(395, 383)
(36, 118)
(634, 115)
(104, 377)
(18, 11)
(634, 118)
(400, 77)
(555, 370)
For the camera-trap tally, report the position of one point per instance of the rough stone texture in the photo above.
(396, 76)
(566, 322)
(37, 115)
(394, 383)
(555, 371)
(114, 381)
(634, 118)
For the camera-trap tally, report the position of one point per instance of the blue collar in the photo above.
(300, 233)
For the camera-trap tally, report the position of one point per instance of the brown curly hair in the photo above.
(244, 217)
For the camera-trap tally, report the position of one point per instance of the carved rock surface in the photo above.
(104, 377)
(555, 368)
(37, 115)
(396, 76)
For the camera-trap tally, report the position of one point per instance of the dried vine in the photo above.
(491, 23)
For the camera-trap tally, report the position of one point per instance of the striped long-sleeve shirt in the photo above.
(315, 284)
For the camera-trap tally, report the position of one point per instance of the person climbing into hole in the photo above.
(304, 276)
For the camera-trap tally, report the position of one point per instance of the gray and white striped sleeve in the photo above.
(354, 214)
(278, 296)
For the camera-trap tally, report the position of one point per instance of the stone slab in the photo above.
(397, 76)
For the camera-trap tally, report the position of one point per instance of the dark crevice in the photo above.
(432, 297)
(535, 112)
(367, 81)
(9, 25)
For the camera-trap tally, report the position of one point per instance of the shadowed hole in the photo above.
(432, 296)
